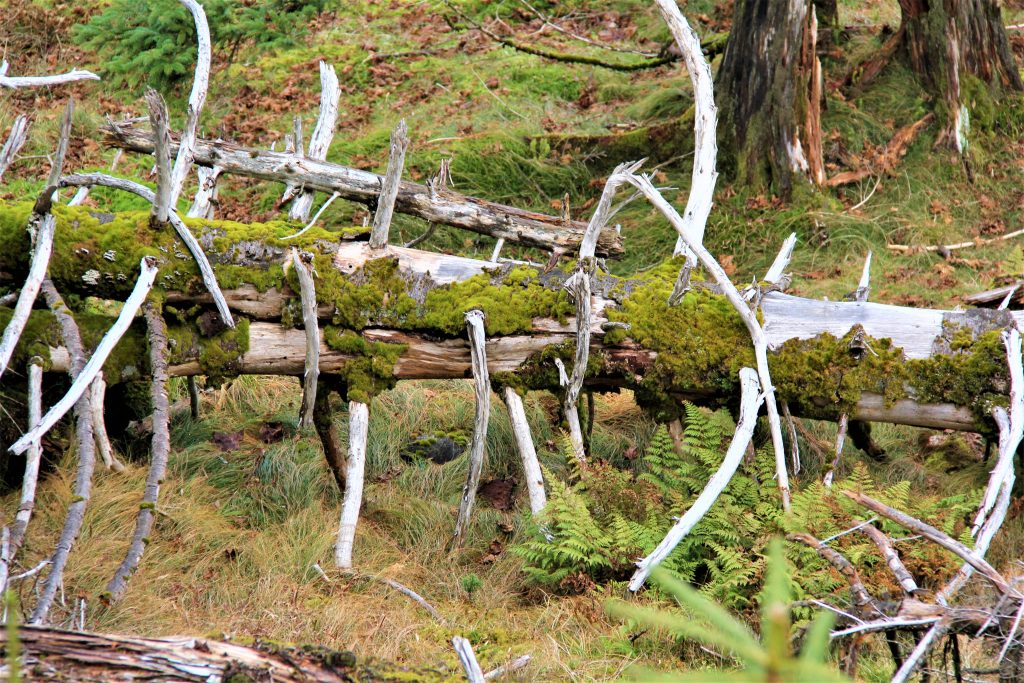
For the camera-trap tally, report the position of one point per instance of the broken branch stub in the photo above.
(162, 154)
(482, 387)
(15, 141)
(303, 270)
(358, 426)
(389, 186)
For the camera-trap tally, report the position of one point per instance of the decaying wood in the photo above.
(389, 188)
(205, 200)
(303, 269)
(41, 227)
(705, 127)
(482, 387)
(44, 81)
(863, 289)
(323, 421)
(86, 446)
(444, 206)
(15, 141)
(55, 655)
(97, 393)
(358, 424)
(32, 460)
(943, 248)
(514, 665)
(320, 140)
(162, 155)
(404, 590)
(82, 381)
(885, 160)
(527, 452)
(159, 453)
(750, 402)
(463, 648)
(182, 230)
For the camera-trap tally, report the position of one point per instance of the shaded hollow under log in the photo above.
(397, 314)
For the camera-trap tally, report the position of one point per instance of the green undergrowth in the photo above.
(605, 516)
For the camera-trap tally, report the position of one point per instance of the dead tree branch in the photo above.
(323, 133)
(482, 386)
(303, 265)
(15, 141)
(389, 187)
(358, 424)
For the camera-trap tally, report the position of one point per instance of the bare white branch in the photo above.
(705, 126)
(44, 81)
(35, 453)
(734, 297)
(162, 153)
(482, 387)
(750, 402)
(358, 426)
(206, 195)
(389, 188)
(97, 392)
(320, 141)
(196, 99)
(41, 225)
(527, 451)
(463, 648)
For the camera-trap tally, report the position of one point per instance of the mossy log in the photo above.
(49, 654)
(396, 313)
(551, 233)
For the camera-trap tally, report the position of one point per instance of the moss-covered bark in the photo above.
(381, 316)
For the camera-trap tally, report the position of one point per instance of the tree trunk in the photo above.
(769, 90)
(949, 40)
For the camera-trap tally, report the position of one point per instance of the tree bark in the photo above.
(948, 40)
(769, 91)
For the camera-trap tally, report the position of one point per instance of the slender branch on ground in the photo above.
(159, 453)
(303, 265)
(862, 599)
(514, 665)
(482, 389)
(401, 588)
(892, 558)
(389, 188)
(148, 271)
(72, 76)
(358, 424)
(750, 401)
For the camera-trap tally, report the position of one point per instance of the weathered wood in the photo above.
(320, 140)
(358, 426)
(307, 291)
(482, 388)
(705, 127)
(159, 454)
(527, 451)
(55, 655)
(44, 81)
(389, 188)
(15, 140)
(442, 206)
(196, 99)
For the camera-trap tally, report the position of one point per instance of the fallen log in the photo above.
(56, 655)
(396, 313)
(443, 206)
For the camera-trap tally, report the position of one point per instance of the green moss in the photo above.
(219, 356)
(372, 368)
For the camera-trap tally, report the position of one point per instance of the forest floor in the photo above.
(249, 510)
